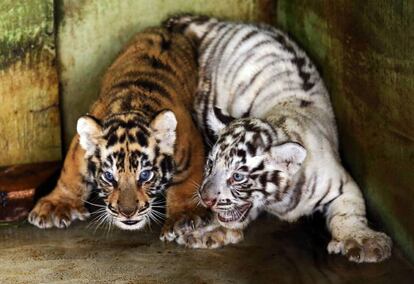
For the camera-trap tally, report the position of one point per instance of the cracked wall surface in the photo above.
(29, 116)
(365, 52)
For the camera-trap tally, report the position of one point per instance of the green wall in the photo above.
(365, 50)
(29, 114)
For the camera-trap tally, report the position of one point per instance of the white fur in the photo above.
(89, 131)
(164, 127)
(279, 96)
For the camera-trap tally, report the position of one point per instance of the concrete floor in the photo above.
(273, 252)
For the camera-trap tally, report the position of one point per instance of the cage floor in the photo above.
(273, 252)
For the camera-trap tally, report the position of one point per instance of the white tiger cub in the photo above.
(281, 153)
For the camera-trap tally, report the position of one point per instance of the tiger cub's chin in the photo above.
(236, 218)
(234, 225)
(131, 225)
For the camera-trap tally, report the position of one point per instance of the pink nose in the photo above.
(209, 202)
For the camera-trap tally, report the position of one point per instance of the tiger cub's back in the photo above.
(155, 61)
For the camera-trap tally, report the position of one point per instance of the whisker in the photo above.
(154, 218)
(157, 213)
(148, 223)
(98, 211)
(109, 221)
(102, 221)
(95, 220)
(157, 206)
(94, 204)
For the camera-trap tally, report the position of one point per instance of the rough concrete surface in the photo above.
(272, 253)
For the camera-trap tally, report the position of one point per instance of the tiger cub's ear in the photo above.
(289, 156)
(164, 126)
(89, 130)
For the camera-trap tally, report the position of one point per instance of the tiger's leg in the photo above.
(351, 236)
(66, 202)
(184, 214)
(211, 236)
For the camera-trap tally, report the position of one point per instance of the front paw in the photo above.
(216, 238)
(365, 246)
(177, 227)
(48, 213)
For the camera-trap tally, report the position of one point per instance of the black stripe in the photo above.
(268, 56)
(166, 165)
(265, 86)
(225, 119)
(259, 167)
(126, 102)
(185, 165)
(156, 63)
(136, 96)
(92, 168)
(216, 29)
(167, 77)
(315, 180)
(305, 76)
(142, 139)
(234, 69)
(247, 36)
(217, 53)
(297, 193)
(145, 84)
(323, 197)
(122, 138)
(251, 149)
(246, 86)
(229, 36)
(148, 110)
(284, 41)
(209, 133)
(112, 140)
(178, 182)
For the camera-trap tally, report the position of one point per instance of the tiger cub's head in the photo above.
(130, 162)
(246, 169)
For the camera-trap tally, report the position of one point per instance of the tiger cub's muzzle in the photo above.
(129, 208)
(229, 211)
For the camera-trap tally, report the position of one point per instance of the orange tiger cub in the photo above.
(138, 140)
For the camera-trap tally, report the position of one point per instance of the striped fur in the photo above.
(135, 143)
(264, 106)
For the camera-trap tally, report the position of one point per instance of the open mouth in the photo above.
(235, 214)
(130, 222)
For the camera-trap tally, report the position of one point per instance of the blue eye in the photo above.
(238, 177)
(108, 176)
(145, 175)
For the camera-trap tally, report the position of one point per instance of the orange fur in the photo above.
(167, 60)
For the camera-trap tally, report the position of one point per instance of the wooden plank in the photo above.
(18, 185)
